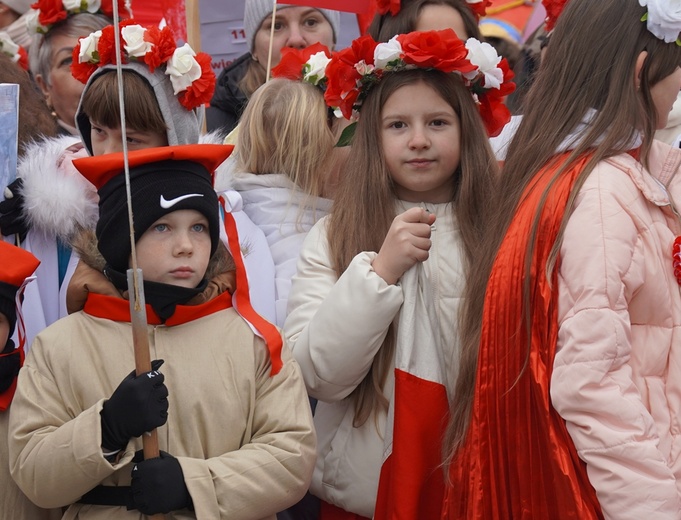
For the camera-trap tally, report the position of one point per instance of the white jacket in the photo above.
(285, 214)
(336, 326)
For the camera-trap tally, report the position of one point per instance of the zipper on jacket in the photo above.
(433, 263)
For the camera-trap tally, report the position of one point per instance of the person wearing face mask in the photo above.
(294, 26)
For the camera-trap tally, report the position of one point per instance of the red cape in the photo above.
(518, 460)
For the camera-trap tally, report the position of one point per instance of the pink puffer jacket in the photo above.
(617, 372)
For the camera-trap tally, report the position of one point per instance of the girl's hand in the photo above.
(407, 242)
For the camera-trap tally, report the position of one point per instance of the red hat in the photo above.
(15, 266)
(102, 168)
(162, 180)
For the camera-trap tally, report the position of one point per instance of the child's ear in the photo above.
(640, 61)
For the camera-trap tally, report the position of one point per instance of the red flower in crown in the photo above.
(383, 6)
(345, 72)
(16, 52)
(479, 7)
(494, 112)
(201, 90)
(294, 60)
(163, 46)
(191, 74)
(123, 11)
(553, 10)
(51, 11)
(23, 58)
(440, 50)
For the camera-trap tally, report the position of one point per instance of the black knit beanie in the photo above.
(157, 189)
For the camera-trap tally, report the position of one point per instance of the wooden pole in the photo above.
(140, 341)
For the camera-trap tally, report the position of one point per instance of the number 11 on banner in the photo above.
(238, 35)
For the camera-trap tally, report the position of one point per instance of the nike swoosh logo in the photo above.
(165, 204)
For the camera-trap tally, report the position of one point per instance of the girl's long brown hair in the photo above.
(365, 203)
(590, 64)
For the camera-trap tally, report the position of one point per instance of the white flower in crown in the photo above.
(314, 69)
(485, 57)
(135, 45)
(32, 24)
(387, 54)
(183, 69)
(663, 18)
(76, 6)
(88, 48)
(8, 46)
(473, 1)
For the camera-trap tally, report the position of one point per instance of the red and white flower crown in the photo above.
(16, 52)
(46, 13)
(307, 65)
(190, 73)
(479, 7)
(352, 72)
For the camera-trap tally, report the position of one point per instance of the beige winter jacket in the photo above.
(244, 439)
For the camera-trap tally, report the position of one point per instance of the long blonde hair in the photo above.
(364, 206)
(589, 65)
(285, 129)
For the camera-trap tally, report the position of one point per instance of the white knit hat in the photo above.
(20, 6)
(256, 11)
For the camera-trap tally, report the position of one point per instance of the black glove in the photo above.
(158, 485)
(10, 363)
(138, 405)
(12, 221)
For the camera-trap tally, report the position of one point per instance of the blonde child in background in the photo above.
(283, 169)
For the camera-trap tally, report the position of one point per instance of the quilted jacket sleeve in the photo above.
(602, 266)
(335, 325)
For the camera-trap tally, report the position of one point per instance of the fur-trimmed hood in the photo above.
(57, 199)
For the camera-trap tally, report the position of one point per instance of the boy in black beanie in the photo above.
(234, 427)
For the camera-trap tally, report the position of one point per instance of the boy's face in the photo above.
(4, 330)
(175, 249)
(109, 140)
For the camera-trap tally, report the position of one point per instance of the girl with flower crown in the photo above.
(391, 259)
(567, 403)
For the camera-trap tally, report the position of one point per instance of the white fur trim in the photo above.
(57, 199)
